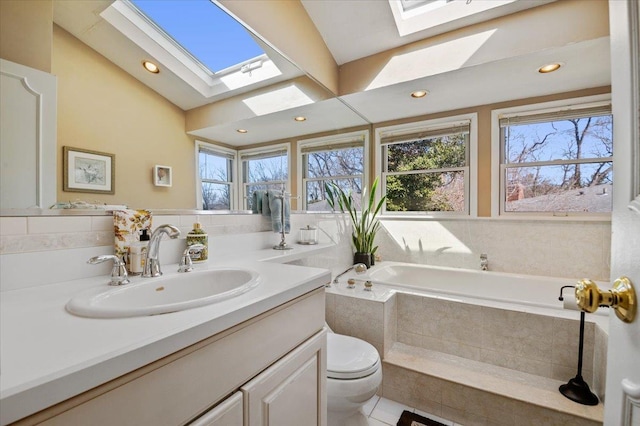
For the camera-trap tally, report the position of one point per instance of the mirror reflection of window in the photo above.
(338, 161)
(216, 177)
(263, 170)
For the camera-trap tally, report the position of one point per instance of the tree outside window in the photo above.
(339, 166)
(558, 164)
(427, 170)
(216, 177)
(264, 171)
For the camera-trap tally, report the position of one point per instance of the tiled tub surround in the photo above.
(534, 247)
(557, 248)
(474, 362)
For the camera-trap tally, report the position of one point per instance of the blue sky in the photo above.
(202, 28)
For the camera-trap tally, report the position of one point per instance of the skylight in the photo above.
(214, 38)
(413, 16)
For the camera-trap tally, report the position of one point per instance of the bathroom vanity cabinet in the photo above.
(269, 370)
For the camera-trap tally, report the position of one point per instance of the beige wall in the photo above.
(102, 108)
(25, 32)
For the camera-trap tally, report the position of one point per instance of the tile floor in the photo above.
(385, 412)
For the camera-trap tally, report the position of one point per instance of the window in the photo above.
(215, 173)
(264, 169)
(556, 161)
(426, 168)
(339, 160)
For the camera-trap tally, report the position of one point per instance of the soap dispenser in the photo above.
(198, 236)
(137, 253)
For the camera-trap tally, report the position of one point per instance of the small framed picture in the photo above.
(162, 175)
(88, 171)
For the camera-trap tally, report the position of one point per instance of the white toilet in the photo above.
(354, 373)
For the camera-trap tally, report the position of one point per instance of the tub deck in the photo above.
(474, 357)
(458, 389)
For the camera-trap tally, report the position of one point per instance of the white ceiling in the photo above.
(354, 29)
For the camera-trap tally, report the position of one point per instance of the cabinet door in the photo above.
(227, 413)
(27, 137)
(292, 392)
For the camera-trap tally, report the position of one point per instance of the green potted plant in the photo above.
(364, 221)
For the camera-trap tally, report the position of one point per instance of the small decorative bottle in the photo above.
(198, 236)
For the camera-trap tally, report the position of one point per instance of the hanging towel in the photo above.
(256, 204)
(128, 225)
(276, 203)
(266, 210)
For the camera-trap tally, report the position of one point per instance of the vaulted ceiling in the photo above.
(345, 63)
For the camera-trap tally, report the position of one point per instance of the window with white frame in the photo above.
(338, 160)
(425, 168)
(556, 161)
(264, 169)
(215, 173)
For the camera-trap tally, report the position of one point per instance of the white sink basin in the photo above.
(152, 296)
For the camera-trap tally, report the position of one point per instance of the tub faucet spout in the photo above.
(359, 268)
(484, 262)
(152, 258)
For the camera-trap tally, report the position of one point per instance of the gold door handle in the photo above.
(622, 298)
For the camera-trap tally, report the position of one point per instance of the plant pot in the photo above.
(365, 258)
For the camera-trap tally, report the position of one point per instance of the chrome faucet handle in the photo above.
(119, 274)
(186, 265)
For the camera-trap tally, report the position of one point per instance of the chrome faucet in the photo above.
(152, 258)
(118, 273)
(484, 262)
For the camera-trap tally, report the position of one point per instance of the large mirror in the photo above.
(110, 107)
(483, 56)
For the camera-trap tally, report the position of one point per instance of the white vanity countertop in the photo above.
(48, 355)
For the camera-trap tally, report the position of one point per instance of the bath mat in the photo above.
(411, 419)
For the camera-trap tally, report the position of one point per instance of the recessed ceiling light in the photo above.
(151, 67)
(419, 94)
(241, 130)
(300, 118)
(549, 68)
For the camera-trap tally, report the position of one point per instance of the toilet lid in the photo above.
(350, 358)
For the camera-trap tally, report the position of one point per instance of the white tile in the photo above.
(102, 223)
(374, 422)
(52, 225)
(174, 220)
(389, 411)
(370, 405)
(434, 417)
(13, 225)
